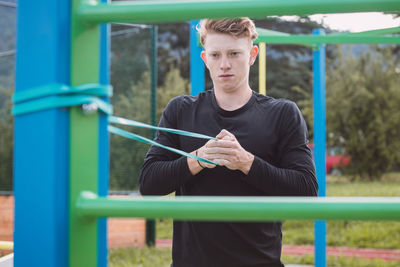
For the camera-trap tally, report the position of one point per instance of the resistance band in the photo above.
(123, 121)
(60, 95)
(145, 140)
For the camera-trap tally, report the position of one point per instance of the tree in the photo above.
(126, 156)
(6, 140)
(362, 110)
(129, 56)
(174, 85)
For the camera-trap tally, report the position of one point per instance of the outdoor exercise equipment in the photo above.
(61, 152)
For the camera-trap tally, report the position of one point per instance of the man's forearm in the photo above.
(280, 181)
(163, 177)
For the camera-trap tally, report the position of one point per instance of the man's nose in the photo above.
(225, 64)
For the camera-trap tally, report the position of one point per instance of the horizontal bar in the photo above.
(328, 39)
(157, 11)
(241, 208)
(392, 30)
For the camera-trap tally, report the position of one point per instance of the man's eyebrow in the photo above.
(229, 50)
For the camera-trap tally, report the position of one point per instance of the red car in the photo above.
(336, 158)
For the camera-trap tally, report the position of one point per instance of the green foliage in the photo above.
(126, 156)
(357, 234)
(130, 53)
(287, 66)
(129, 56)
(149, 257)
(362, 111)
(341, 261)
(174, 86)
(173, 49)
(6, 140)
(362, 234)
(145, 257)
(164, 228)
(7, 43)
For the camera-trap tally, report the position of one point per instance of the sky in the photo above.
(354, 22)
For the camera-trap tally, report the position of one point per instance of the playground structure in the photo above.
(67, 150)
(317, 42)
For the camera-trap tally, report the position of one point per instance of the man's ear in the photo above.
(203, 56)
(253, 54)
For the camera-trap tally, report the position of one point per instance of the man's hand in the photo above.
(195, 166)
(227, 152)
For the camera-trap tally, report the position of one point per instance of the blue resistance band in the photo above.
(60, 95)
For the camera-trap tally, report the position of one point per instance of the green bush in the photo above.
(362, 100)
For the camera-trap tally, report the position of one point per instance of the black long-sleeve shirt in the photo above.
(275, 132)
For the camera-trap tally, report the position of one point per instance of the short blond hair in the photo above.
(237, 27)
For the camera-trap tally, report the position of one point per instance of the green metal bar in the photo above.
(154, 78)
(151, 224)
(83, 141)
(266, 32)
(184, 10)
(328, 39)
(372, 32)
(242, 208)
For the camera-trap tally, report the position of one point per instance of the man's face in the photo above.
(229, 59)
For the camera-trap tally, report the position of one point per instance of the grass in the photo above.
(146, 257)
(360, 234)
(160, 257)
(340, 261)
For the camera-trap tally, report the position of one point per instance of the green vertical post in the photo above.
(84, 140)
(154, 77)
(151, 224)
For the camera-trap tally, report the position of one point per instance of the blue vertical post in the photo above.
(197, 69)
(104, 78)
(319, 143)
(41, 141)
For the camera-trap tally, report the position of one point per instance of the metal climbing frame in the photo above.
(65, 149)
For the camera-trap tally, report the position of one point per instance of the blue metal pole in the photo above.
(102, 249)
(319, 144)
(197, 69)
(41, 141)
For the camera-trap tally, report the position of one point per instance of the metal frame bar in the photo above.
(151, 224)
(41, 138)
(182, 10)
(197, 66)
(89, 205)
(262, 68)
(329, 39)
(84, 141)
(366, 37)
(319, 112)
(43, 154)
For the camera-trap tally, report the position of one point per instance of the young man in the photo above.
(262, 151)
